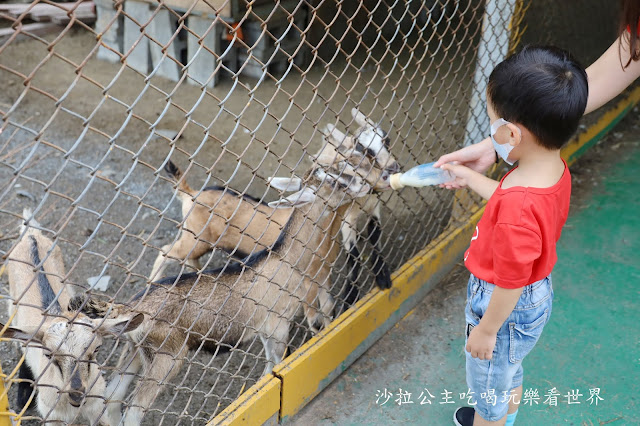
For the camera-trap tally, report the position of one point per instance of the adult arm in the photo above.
(607, 78)
(478, 157)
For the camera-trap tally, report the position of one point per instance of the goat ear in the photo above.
(360, 118)
(27, 334)
(298, 199)
(337, 138)
(120, 326)
(285, 184)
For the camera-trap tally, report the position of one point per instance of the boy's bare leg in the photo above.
(517, 396)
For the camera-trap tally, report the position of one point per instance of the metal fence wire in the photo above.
(152, 267)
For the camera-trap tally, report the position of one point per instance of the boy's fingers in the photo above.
(441, 160)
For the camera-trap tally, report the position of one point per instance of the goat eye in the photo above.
(365, 151)
(57, 364)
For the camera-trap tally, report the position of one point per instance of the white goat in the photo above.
(60, 345)
(374, 142)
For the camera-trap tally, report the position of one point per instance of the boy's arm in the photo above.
(484, 186)
(482, 338)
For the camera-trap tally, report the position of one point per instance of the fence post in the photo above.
(492, 49)
(497, 24)
(201, 63)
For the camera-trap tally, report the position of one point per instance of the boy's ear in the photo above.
(515, 134)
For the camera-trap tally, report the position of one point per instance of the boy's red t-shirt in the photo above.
(514, 244)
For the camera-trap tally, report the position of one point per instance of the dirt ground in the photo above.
(84, 142)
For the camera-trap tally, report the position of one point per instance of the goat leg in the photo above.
(25, 385)
(351, 293)
(380, 269)
(275, 345)
(159, 369)
(127, 368)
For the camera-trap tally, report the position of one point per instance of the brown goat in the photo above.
(218, 217)
(257, 297)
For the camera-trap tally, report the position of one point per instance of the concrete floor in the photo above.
(592, 340)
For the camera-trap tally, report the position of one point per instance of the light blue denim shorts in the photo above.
(491, 381)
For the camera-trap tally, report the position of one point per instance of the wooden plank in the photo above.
(161, 29)
(138, 59)
(201, 62)
(41, 11)
(63, 19)
(218, 7)
(38, 29)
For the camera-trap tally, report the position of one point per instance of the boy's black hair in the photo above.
(543, 88)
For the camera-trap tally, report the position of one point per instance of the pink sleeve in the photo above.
(515, 249)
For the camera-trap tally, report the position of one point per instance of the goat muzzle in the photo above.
(76, 396)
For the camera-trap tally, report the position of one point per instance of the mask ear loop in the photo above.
(499, 123)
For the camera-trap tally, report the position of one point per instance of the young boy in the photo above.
(535, 101)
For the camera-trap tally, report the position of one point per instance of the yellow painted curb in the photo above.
(5, 415)
(256, 406)
(578, 145)
(309, 369)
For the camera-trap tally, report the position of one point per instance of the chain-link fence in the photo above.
(141, 136)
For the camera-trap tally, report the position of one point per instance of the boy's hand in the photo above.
(481, 343)
(462, 175)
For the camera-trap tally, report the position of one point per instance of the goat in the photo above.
(61, 345)
(240, 224)
(374, 142)
(221, 308)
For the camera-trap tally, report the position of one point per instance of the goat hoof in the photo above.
(383, 279)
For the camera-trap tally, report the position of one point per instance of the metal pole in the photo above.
(493, 48)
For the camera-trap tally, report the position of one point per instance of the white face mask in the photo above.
(504, 149)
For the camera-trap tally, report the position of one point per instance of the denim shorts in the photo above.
(491, 381)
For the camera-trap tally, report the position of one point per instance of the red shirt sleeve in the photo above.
(515, 250)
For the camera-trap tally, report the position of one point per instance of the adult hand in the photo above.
(479, 156)
(481, 343)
